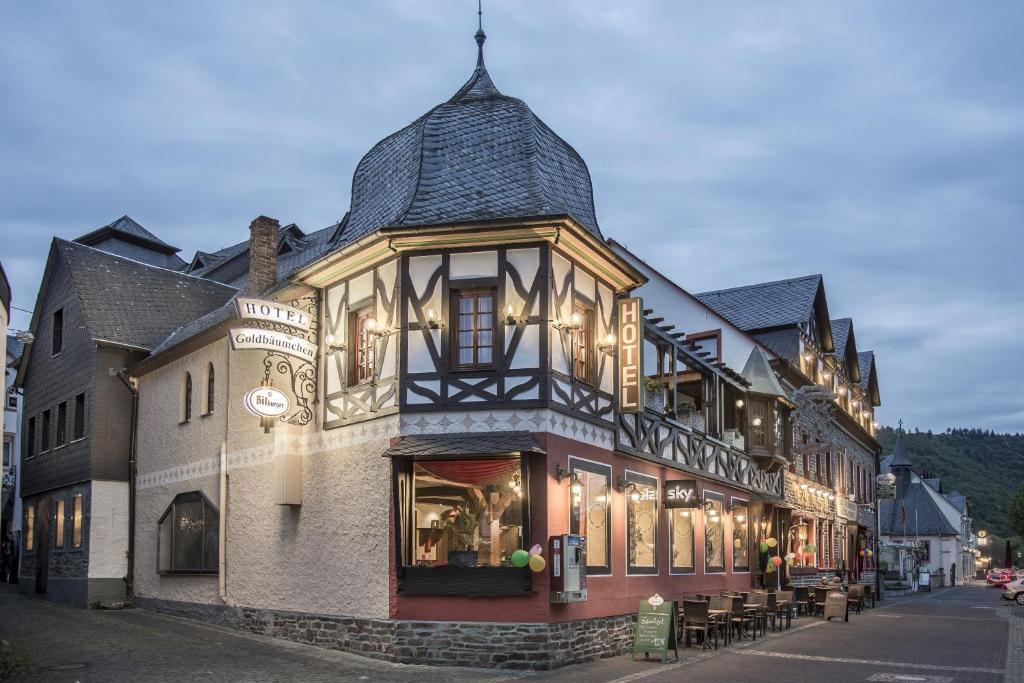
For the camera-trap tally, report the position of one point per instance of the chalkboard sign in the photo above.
(836, 606)
(656, 628)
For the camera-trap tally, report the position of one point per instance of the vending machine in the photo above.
(568, 554)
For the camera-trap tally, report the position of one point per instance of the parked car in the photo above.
(1015, 591)
(999, 577)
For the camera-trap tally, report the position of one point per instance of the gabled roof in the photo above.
(479, 156)
(758, 371)
(845, 346)
(915, 512)
(900, 457)
(869, 376)
(783, 343)
(770, 305)
(14, 348)
(127, 229)
(132, 303)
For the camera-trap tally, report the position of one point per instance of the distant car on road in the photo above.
(1015, 591)
(999, 577)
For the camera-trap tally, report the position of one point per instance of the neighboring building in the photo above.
(10, 517)
(809, 386)
(922, 527)
(97, 313)
(10, 407)
(462, 404)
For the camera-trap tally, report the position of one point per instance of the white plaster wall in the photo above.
(689, 315)
(329, 555)
(108, 530)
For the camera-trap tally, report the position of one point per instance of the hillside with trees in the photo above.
(985, 466)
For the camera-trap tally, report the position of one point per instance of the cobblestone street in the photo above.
(960, 635)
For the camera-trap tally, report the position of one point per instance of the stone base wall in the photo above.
(476, 644)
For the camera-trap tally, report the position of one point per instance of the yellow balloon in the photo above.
(772, 542)
(537, 563)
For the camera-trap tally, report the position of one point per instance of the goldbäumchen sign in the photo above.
(250, 338)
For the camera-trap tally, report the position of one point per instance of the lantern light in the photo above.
(739, 403)
(576, 320)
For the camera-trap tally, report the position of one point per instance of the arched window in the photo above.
(186, 398)
(188, 536)
(208, 402)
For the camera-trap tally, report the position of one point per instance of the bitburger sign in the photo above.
(266, 402)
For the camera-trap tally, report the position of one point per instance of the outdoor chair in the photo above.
(855, 597)
(804, 601)
(784, 608)
(760, 599)
(697, 621)
(722, 620)
(869, 595)
(742, 620)
(820, 596)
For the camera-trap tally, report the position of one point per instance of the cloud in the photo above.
(876, 143)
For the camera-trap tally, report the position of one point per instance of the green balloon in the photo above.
(810, 548)
(520, 558)
(764, 547)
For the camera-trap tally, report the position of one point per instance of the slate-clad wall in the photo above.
(112, 414)
(68, 566)
(52, 379)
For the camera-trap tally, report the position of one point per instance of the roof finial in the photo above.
(480, 35)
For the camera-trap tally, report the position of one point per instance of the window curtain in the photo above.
(470, 472)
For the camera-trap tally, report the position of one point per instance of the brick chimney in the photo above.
(262, 254)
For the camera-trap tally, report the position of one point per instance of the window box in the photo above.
(466, 581)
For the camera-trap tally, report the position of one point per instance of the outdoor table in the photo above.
(759, 613)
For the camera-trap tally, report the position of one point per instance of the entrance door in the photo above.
(42, 542)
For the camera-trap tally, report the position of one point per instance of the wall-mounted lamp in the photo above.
(433, 321)
(756, 422)
(510, 314)
(808, 356)
(575, 485)
(332, 344)
(842, 391)
(739, 403)
(826, 375)
(607, 345)
(575, 321)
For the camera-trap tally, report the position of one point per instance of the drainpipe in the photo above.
(222, 555)
(133, 431)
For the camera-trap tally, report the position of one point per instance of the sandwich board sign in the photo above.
(656, 628)
(836, 606)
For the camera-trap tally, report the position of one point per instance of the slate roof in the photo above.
(129, 302)
(783, 343)
(840, 333)
(929, 519)
(767, 304)
(125, 226)
(900, 457)
(865, 359)
(758, 371)
(479, 156)
(14, 348)
(465, 443)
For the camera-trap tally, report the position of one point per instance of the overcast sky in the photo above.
(877, 143)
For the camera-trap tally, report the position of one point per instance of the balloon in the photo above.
(790, 556)
(535, 550)
(769, 569)
(810, 549)
(870, 553)
(537, 563)
(776, 560)
(520, 558)
(772, 542)
(764, 547)
(861, 553)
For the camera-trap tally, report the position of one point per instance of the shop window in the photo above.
(362, 356)
(44, 440)
(582, 334)
(62, 423)
(468, 513)
(641, 524)
(681, 522)
(590, 513)
(76, 521)
(188, 535)
(30, 527)
(79, 430)
(474, 328)
(714, 534)
(758, 423)
(740, 536)
(58, 523)
(57, 333)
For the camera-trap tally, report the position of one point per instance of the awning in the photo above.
(464, 444)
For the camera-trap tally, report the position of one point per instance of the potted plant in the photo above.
(460, 527)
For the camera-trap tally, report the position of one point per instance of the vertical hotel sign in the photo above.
(630, 355)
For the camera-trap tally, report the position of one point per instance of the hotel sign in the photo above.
(630, 355)
(266, 402)
(681, 493)
(249, 338)
(272, 312)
